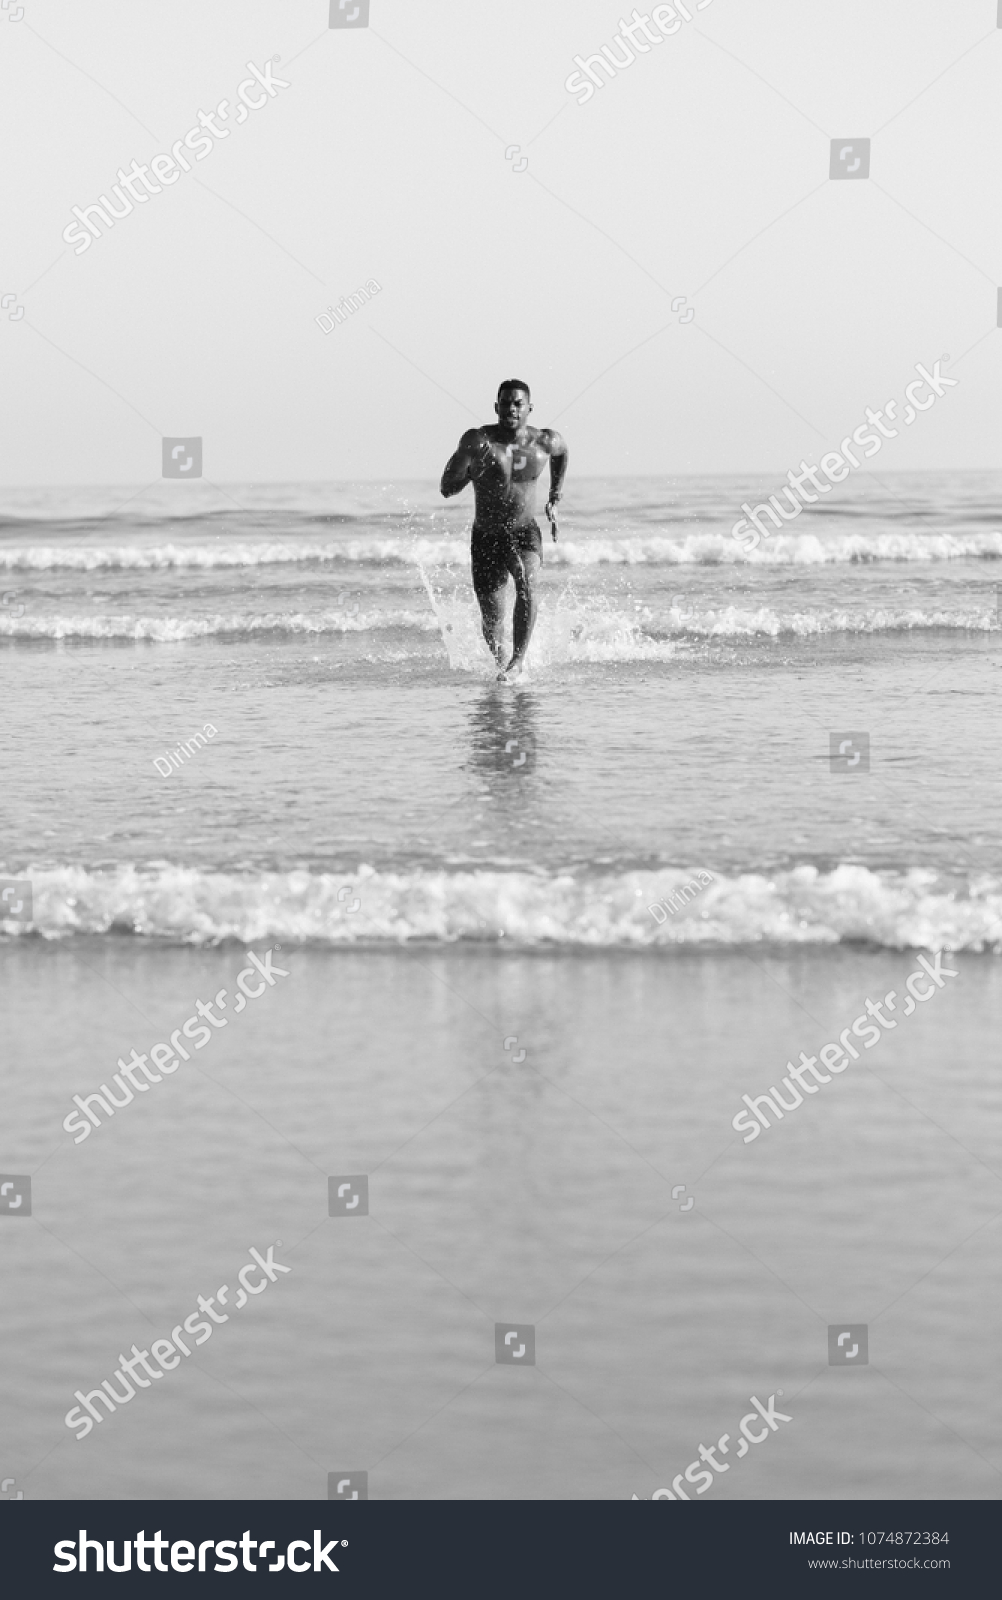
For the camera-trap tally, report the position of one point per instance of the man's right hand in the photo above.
(469, 464)
(483, 457)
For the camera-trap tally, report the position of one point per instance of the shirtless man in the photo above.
(503, 461)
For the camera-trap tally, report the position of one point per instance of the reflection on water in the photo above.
(502, 811)
(503, 737)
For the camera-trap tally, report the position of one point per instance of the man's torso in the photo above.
(506, 491)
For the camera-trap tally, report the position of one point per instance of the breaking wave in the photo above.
(733, 622)
(915, 909)
(586, 631)
(696, 549)
(171, 630)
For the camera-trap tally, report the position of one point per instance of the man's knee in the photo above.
(491, 605)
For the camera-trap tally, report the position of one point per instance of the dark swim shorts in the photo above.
(490, 553)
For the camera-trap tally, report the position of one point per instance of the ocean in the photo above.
(537, 940)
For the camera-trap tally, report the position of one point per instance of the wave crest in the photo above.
(905, 910)
(694, 549)
(733, 622)
(171, 630)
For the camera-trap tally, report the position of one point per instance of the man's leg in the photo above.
(524, 566)
(492, 618)
(490, 581)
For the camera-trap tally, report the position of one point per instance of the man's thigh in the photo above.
(489, 567)
(492, 603)
(522, 563)
(531, 564)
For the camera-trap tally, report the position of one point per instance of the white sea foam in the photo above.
(167, 557)
(171, 630)
(735, 622)
(781, 550)
(587, 630)
(695, 549)
(570, 630)
(904, 910)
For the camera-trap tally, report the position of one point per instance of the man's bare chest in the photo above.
(520, 462)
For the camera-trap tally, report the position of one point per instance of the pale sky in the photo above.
(385, 158)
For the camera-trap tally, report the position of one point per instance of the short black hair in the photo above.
(514, 383)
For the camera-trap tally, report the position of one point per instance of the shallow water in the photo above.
(638, 866)
(677, 716)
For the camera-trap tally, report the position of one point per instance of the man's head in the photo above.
(513, 403)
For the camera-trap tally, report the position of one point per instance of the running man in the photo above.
(503, 460)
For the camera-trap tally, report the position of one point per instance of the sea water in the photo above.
(453, 872)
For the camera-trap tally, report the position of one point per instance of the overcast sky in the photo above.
(385, 158)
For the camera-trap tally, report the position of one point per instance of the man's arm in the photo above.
(559, 460)
(466, 464)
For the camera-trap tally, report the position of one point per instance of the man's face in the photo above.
(512, 407)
